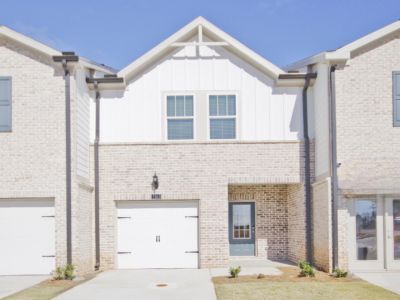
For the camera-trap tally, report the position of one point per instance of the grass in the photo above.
(290, 286)
(46, 290)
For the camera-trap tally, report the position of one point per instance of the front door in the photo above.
(374, 232)
(242, 229)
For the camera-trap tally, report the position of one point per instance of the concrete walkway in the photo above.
(251, 267)
(388, 280)
(12, 284)
(150, 284)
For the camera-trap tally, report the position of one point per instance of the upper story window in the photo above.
(5, 104)
(396, 98)
(222, 113)
(180, 117)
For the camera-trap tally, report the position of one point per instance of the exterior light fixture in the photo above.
(154, 184)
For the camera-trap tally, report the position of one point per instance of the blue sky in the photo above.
(115, 32)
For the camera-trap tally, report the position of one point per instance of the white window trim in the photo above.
(219, 93)
(166, 118)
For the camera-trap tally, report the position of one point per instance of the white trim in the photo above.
(190, 30)
(165, 117)
(223, 93)
(342, 54)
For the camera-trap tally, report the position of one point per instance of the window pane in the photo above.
(397, 107)
(396, 228)
(170, 106)
(222, 105)
(232, 105)
(241, 219)
(180, 106)
(222, 128)
(366, 229)
(4, 90)
(189, 106)
(213, 106)
(180, 129)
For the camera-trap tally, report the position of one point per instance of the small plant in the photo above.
(306, 270)
(58, 273)
(339, 273)
(234, 271)
(64, 273)
(260, 276)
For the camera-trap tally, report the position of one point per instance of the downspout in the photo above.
(64, 59)
(307, 172)
(96, 177)
(68, 158)
(334, 165)
(107, 79)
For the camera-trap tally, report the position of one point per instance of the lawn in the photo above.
(46, 290)
(290, 286)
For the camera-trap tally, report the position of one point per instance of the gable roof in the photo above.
(211, 31)
(342, 54)
(46, 50)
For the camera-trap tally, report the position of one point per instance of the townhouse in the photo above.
(198, 153)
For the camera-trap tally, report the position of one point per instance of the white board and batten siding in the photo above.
(83, 125)
(264, 112)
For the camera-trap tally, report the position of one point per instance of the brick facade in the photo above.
(200, 171)
(33, 153)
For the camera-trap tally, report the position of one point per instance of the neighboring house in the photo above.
(203, 152)
(361, 83)
(33, 191)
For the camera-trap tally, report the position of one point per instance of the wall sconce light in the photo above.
(154, 184)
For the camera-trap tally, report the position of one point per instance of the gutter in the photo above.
(64, 59)
(307, 170)
(95, 82)
(334, 165)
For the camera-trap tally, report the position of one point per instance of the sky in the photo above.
(116, 32)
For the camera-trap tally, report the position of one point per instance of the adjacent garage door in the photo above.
(27, 243)
(157, 234)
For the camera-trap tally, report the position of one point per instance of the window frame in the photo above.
(11, 104)
(236, 116)
(166, 117)
(395, 107)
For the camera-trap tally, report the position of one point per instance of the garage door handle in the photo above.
(48, 256)
(192, 217)
(124, 252)
(124, 217)
(47, 216)
(191, 251)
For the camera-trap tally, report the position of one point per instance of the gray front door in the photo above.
(241, 229)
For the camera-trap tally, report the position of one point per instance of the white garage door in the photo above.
(157, 235)
(27, 243)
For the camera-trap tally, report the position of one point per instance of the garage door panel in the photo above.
(159, 236)
(27, 237)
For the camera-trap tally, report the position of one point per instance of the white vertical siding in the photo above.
(83, 119)
(264, 112)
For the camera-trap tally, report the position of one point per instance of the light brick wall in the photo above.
(367, 143)
(33, 154)
(271, 217)
(322, 242)
(296, 223)
(190, 171)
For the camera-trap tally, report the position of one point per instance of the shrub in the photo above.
(58, 273)
(260, 276)
(235, 271)
(64, 273)
(339, 273)
(306, 270)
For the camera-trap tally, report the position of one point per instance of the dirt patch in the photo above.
(289, 274)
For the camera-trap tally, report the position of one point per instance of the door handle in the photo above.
(158, 239)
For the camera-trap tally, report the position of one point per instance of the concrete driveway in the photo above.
(11, 284)
(145, 284)
(387, 280)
